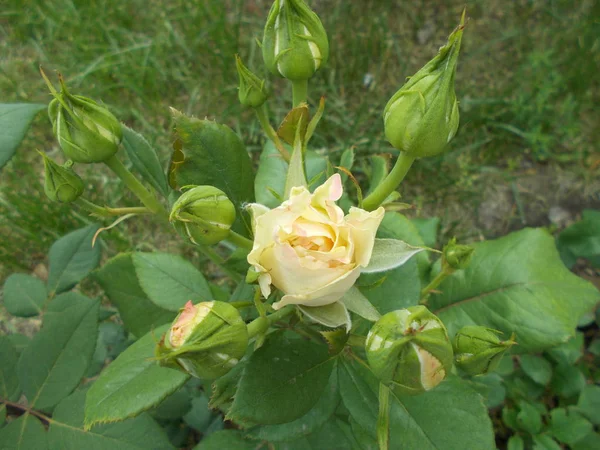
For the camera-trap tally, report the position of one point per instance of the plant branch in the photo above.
(135, 186)
(239, 240)
(426, 292)
(27, 409)
(262, 324)
(390, 183)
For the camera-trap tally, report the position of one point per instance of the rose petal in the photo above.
(325, 295)
(363, 227)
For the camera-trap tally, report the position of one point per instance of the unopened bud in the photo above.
(61, 183)
(206, 340)
(252, 91)
(457, 256)
(422, 117)
(295, 43)
(86, 131)
(409, 350)
(479, 349)
(204, 214)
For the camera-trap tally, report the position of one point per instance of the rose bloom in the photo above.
(308, 249)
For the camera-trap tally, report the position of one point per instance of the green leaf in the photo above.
(308, 423)
(529, 418)
(421, 421)
(568, 426)
(347, 161)
(428, 229)
(2, 415)
(331, 436)
(169, 280)
(133, 383)
(24, 433)
(590, 442)
(581, 240)
(145, 160)
(516, 284)
(515, 443)
(397, 226)
(120, 282)
(67, 433)
(282, 381)
(567, 381)
(537, 368)
(15, 119)
(589, 403)
(568, 353)
(333, 315)
(226, 439)
(356, 302)
(272, 170)
(51, 367)
(72, 257)
(9, 382)
(199, 417)
(295, 175)
(490, 386)
(208, 153)
(19, 341)
(24, 295)
(174, 406)
(545, 442)
(389, 254)
(399, 288)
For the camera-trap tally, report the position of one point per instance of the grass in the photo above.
(527, 83)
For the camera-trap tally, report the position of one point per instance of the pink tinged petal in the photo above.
(190, 316)
(330, 190)
(325, 295)
(363, 228)
(432, 371)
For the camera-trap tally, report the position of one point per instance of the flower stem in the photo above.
(299, 91)
(261, 114)
(445, 273)
(383, 420)
(106, 211)
(262, 324)
(390, 183)
(145, 196)
(239, 240)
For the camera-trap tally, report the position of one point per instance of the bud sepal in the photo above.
(86, 131)
(479, 349)
(206, 340)
(423, 117)
(61, 183)
(203, 214)
(409, 350)
(295, 43)
(456, 256)
(252, 90)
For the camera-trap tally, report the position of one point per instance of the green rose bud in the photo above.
(252, 91)
(86, 131)
(479, 349)
(206, 340)
(457, 256)
(422, 117)
(61, 183)
(409, 350)
(203, 214)
(295, 43)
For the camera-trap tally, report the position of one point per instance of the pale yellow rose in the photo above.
(308, 249)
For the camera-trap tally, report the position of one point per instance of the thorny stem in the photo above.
(239, 240)
(106, 211)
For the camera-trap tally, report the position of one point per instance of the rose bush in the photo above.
(308, 249)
